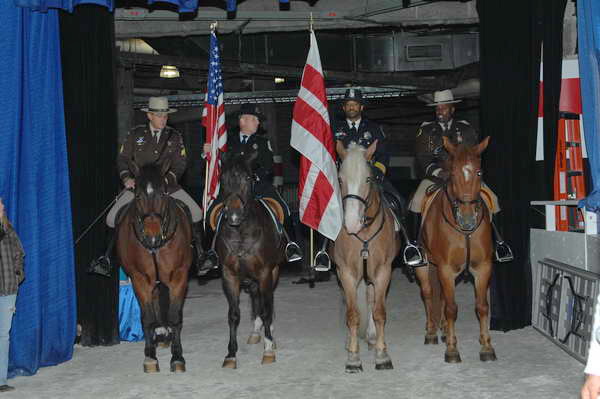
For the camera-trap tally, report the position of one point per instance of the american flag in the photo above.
(213, 119)
(318, 190)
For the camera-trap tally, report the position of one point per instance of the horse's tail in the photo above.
(436, 296)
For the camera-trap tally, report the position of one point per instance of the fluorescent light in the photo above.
(279, 80)
(169, 72)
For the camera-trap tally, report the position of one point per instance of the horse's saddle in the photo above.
(123, 211)
(273, 207)
(486, 195)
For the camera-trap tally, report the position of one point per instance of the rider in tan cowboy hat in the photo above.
(431, 154)
(154, 142)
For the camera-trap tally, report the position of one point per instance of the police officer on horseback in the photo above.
(431, 155)
(152, 143)
(245, 140)
(355, 128)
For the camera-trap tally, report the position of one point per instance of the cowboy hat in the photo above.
(353, 95)
(443, 97)
(251, 109)
(159, 105)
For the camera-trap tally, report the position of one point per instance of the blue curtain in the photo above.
(35, 186)
(588, 21)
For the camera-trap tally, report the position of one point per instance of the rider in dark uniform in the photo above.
(431, 155)
(355, 128)
(245, 139)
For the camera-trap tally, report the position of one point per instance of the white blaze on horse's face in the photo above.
(354, 173)
(149, 189)
(467, 172)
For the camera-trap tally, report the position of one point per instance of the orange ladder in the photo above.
(569, 182)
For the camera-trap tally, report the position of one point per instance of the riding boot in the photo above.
(102, 265)
(322, 260)
(203, 264)
(293, 252)
(503, 252)
(413, 254)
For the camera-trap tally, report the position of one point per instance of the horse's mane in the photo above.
(354, 168)
(234, 174)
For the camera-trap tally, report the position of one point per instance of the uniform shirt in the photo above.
(430, 150)
(140, 146)
(262, 166)
(11, 262)
(366, 133)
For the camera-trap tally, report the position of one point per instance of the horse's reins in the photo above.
(454, 203)
(364, 252)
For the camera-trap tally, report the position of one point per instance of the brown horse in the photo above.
(457, 236)
(363, 252)
(154, 245)
(251, 250)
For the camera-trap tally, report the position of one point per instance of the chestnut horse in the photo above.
(457, 236)
(363, 252)
(251, 250)
(154, 246)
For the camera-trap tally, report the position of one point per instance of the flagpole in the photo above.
(213, 28)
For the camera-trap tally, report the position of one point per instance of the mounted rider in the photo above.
(355, 128)
(244, 140)
(152, 143)
(431, 155)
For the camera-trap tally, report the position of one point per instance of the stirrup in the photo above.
(506, 255)
(101, 266)
(322, 267)
(418, 261)
(292, 252)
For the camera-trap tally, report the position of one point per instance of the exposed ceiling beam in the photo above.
(257, 17)
(406, 79)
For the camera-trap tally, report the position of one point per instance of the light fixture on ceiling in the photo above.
(279, 80)
(169, 72)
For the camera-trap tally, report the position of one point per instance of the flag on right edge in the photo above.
(318, 189)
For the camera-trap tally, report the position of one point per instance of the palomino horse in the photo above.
(457, 236)
(251, 250)
(363, 252)
(154, 245)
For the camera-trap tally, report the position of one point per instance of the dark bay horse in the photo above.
(363, 252)
(457, 235)
(154, 245)
(251, 251)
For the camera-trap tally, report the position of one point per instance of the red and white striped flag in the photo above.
(318, 190)
(213, 119)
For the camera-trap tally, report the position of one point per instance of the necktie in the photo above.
(445, 126)
(244, 138)
(353, 128)
(156, 134)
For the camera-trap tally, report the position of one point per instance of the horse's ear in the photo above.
(479, 148)
(340, 149)
(134, 168)
(165, 167)
(371, 150)
(451, 148)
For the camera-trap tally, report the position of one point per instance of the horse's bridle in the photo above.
(455, 203)
(167, 228)
(366, 220)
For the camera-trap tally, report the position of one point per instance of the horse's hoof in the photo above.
(452, 357)
(268, 358)
(431, 340)
(487, 356)
(151, 366)
(178, 367)
(230, 363)
(353, 368)
(253, 339)
(387, 365)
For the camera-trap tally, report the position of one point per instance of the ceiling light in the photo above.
(279, 80)
(169, 72)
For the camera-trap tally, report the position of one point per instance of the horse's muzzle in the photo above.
(467, 222)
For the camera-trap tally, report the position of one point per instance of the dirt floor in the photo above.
(310, 336)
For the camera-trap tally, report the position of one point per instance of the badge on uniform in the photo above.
(340, 134)
(255, 146)
(367, 135)
(140, 141)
